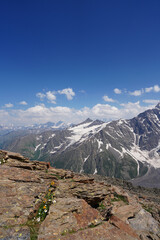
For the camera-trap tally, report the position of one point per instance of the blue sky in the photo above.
(69, 60)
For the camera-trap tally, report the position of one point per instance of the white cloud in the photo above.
(117, 91)
(68, 92)
(23, 103)
(147, 90)
(8, 105)
(156, 88)
(41, 113)
(151, 101)
(41, 95)
(82, 91)
(136, 93)
(131, 109)
(51, 97)
(107, 99)
(4, 117)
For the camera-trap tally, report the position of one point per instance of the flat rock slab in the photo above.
(68, 215)
(14, 233)
(20, 188)
(80, 208)
(105, 231)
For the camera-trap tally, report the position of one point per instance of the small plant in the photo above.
(42, 212)
(68, 231)
(2, 161)
(94, 223)
(56, 175)
(101, 206)
(147, 208)
(118, 197)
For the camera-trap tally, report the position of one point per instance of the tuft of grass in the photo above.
(57, 176)
(34, 227)
(68, 231)
(147, 208)
(118, 197)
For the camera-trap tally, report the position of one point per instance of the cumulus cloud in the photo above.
(136, 93)
(107, 99)
(151, 101)
(68, 92)
(41, 113)
(156, 88)
(131, 109)
(8, 105)
(149, 89)
(41, 95)
(117, 91)
(23, 103)
(50, 96)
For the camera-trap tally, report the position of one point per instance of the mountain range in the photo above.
(126, 149)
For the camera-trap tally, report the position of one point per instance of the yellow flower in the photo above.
(50, 190)
(44, 207)
(52, 183)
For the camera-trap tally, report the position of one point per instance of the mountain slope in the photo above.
(124, 149)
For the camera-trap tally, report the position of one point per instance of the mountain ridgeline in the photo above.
(127, 149)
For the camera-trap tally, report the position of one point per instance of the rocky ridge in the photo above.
(44, 203)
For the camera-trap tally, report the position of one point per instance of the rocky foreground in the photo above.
(44, 203)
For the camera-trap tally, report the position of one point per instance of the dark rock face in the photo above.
(44, 203)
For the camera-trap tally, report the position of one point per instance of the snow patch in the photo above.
(39, 137)
(82, 132)
(144, 156)
(43, 146)
(58, 147)
(51, 136)
(85, 159)
(120, 122)
(52, 152)
(37, 147)
(95, 171)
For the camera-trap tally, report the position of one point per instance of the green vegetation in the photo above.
(118, 197)
(42, 212)
(70, 231)
(101, 206)
(147, 208)
(2, 161)
(56, 175)
(34, 227)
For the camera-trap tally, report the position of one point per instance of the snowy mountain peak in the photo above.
(123, 149)
(158, 105)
